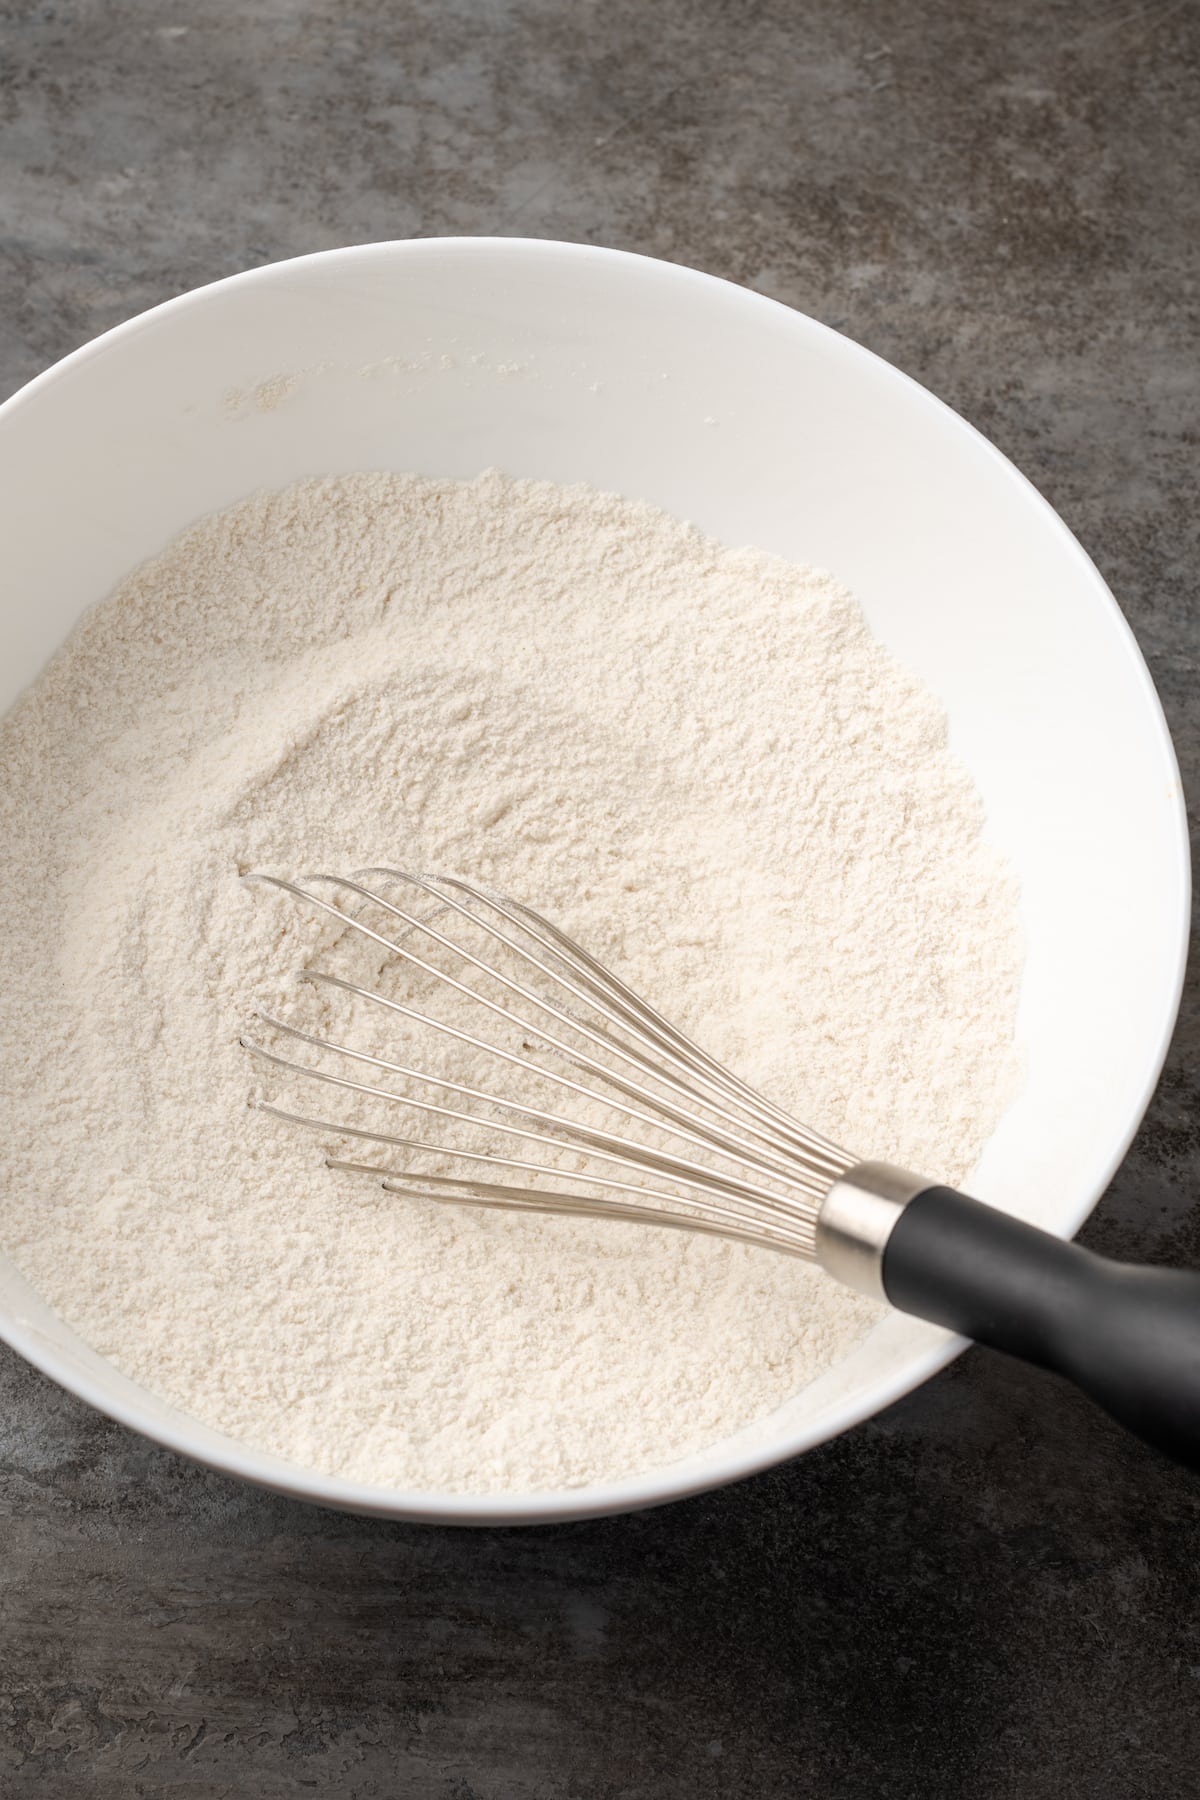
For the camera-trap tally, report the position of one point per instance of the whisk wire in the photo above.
(601, 987)
(588, 994)
(691, 1131)
(687, 1126)
(512, 1199)
(790, 1235)
(650, 1075)
(561, 1132)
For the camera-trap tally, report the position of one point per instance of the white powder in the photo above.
(696, 760)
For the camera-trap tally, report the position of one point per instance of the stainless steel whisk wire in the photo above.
(757, 1137)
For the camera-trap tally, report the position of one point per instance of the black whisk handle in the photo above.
(1127, 1336)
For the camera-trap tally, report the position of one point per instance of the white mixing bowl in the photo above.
(554, 360)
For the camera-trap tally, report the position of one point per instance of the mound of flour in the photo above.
(696, 760)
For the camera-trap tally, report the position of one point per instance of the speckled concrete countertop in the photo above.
(987, 1593)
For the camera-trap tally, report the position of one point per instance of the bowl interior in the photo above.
(762, 427)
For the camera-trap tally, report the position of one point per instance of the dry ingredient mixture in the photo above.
(696, 760)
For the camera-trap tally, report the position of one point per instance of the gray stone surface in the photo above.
(986, 1593)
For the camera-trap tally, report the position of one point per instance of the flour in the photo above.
(696, 760)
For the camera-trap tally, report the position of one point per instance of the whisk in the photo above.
(614, 1114)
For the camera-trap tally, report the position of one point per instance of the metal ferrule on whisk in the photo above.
(857, 1217)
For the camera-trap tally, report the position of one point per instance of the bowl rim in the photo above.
(668, 1482)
